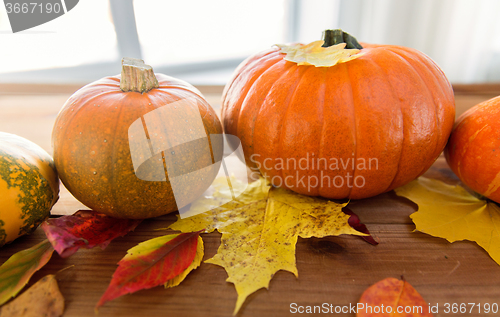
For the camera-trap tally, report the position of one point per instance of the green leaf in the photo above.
(18, 269)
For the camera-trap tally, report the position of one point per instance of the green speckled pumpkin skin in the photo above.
(29, 186)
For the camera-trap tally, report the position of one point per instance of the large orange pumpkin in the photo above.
(474, 148)
(353, 128)
(119, 143)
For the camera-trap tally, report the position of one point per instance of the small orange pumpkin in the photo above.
(368, 119)
(111, 138)
(473, 151)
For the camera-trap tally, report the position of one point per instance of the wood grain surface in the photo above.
(332, 270)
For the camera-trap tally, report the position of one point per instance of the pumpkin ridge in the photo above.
(245, 101)
(98, 85)
(460, 124)
(438, 150)
(323, 124)
(289, 102)
(443, 93)
(266, 95)
(250, 82)
(434, 70)
(77, 110)
(207, 132)
(208, 128)
(106, 82)
(206, 112)
(91, 99)
(199, 101)
(395, 177)
(247, 85)
(164, 88)
(249, 68)
(114, 193)
(379, 79)
(469, 145)
(402, 146)
(104, 85)
(340, 71)
(63, 132)
(205, 116)
(245, 64)
(431, 97)
(433, 74)
(355, 132)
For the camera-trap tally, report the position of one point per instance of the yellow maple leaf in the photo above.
(452, 213)
(314, 54)
(260, 229)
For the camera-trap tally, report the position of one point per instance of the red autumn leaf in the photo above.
(85, 229)
(392, 298)
(152, 263)
(356, 224)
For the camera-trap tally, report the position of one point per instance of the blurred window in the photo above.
(173, 31)
(193, 37)
(84, 35)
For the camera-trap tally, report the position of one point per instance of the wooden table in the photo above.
(333, 270)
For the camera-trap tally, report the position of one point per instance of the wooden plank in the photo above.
(51, 89)
(492, 89)
(333, 270)
(39, 88)
(33, 116)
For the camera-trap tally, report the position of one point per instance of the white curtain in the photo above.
(461, 36)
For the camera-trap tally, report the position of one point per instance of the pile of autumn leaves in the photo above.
(259, 233)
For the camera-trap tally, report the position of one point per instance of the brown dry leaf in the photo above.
(41, 299)
(260, 229)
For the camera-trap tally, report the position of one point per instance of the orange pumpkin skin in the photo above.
(474, 147)
(392, 105)
(92, 153)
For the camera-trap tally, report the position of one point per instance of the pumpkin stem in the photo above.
(334, 37)
(137, 76)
